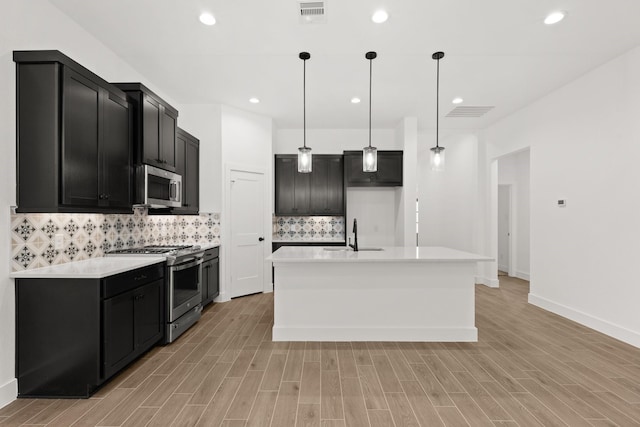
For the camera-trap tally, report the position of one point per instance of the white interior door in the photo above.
(247, 232)
(504, 227)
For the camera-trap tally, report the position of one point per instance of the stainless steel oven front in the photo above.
(184, 292)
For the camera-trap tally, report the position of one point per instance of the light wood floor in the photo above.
(529, 368)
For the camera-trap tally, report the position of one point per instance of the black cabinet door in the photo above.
(213, 278)
(191, 178)
(390, 169)
(285, 176)
(81, 113)
(151, 131)
(148, 314)
(326, 190)
(119, 337)
(293, 195)
(168, 126)
(115, 150)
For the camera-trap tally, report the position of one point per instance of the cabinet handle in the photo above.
(138, 297)
(140, 277)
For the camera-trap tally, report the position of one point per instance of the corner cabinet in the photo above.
(88, 330)
(155, 124)
(320, 192)
(389, 172)
(188, 166)
(73, 147)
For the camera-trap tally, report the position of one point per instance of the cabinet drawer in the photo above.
(123, 282)
(211, 253)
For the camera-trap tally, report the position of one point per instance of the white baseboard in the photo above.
(8, 392)
(492, 283)
(600, 325)
(376, 334)
(522, 275)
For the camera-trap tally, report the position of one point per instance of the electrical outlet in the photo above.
(58, 243)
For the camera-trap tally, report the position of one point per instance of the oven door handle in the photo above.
(189, 263)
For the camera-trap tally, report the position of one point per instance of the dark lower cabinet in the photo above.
(74, 146)
(72, 335)
(132, 323)
(210, 275)
(389, 172)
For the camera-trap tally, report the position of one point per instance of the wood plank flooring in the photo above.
(529, 368)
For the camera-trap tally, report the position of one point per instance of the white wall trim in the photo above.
(8, 392)
(600, 325)
(491, 283)
(522, 275)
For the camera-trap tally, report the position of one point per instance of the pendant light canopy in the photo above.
(304, 152)
(370, 154)
(437, 152)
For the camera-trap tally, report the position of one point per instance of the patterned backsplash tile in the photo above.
(308, 227)
(91, 235)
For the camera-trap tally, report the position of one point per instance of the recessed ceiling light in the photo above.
(207, 18)
(457, 100)
(555, 17)
(254, 100)
(355, 100)
(380, 16)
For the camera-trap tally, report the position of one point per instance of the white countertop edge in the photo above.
(430, 254)
(309, 241)
(93, 268)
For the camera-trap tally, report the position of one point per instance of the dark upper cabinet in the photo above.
(389, 172)
(293, 189)
(188, 166)
(74, 147)
(155, 125)
(327, 189)
(320, 192)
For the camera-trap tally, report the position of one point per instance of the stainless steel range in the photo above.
(184, 284)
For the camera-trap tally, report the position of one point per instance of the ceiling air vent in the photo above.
(312, 12)
(469, 111)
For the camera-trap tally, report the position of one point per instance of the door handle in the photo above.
(260, 239)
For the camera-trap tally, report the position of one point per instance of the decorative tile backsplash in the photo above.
(308, 227)
(91, 235)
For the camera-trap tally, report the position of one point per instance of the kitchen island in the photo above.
(393, 294)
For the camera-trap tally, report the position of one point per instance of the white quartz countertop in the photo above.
(207, 246)
(94, 268)
(324, 240)
(293, 254)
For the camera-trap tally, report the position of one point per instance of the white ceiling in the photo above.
(498, 53)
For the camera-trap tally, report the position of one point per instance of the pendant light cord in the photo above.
(304, 103)
(437, 103)
(370, 79)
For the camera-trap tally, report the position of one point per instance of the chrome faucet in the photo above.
(355, 236)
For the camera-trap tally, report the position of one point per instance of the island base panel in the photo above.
(375, 302)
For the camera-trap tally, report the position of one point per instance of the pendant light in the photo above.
(437, 152)
(370, 154)
(304, 152)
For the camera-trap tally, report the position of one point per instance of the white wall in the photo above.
(247, 141)
(584, 148)
(448, 199)
(514, 170)
(205, 123)
(334, 141)
(27, 25)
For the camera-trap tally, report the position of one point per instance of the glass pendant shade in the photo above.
(437, 159)
(370, 159)
(304, 160)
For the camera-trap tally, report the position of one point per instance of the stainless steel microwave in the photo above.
(158, 188)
